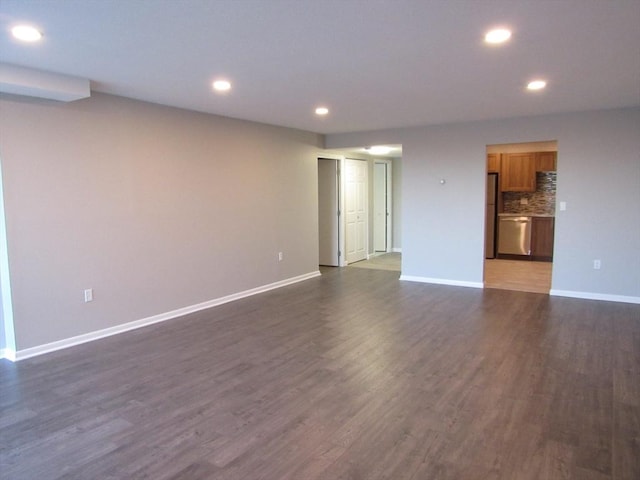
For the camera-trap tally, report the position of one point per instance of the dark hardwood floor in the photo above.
(353, 375)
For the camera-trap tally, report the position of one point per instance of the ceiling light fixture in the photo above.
(26, 33)
(497, 35)
(322, 111)
(378, 150)
(536, 85)
(222, 85)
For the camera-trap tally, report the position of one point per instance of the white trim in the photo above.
(595, 296)
(442, 281)
(8, 353)
(397, 249)
(107, 332)
(6, 304)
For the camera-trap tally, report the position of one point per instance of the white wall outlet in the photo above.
(563, 206)
(88, 295)
(280, 256)
(597, 264)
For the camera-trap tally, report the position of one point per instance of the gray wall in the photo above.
(154, 208)
(598, 177)
(158, 208)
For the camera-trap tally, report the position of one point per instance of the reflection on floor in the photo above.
(521, 275)
(382, 261)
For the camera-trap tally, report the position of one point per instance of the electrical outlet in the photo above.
(88, 295)
(280, 256)
(563, 206)
(597, 264)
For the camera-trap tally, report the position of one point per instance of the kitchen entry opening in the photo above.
(520, 211)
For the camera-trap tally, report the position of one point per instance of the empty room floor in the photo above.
(351, 375)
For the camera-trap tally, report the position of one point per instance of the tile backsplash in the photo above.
(540, 202)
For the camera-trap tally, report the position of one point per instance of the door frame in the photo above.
(389, 201)
(341, 222)
(326, 203)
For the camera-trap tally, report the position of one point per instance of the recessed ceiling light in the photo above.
(26, 33)
(322, 111)
(222, 85)
(497, 35)
(536, 85)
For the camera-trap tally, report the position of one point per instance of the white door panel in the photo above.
(356, 210)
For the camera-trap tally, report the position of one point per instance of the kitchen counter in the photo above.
(544, 215)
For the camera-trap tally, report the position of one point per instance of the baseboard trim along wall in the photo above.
(396, 249)
(107, 332)
(442, 281)
(595, 296)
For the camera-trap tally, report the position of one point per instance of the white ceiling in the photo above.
(375, 63)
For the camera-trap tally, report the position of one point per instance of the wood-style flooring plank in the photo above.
(352, 375)
(520, 275)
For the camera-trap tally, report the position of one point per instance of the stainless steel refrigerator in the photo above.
(490, 216)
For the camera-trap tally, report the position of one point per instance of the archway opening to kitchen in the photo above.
(520, 215)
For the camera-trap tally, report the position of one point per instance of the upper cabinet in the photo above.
(493, 162)
(518, 172)
(546, 161)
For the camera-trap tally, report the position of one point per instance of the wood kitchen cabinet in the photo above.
(518, 172)
(546, 161)
(542, 229)
(493, 162)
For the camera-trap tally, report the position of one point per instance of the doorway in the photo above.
(382, 206)
(346, 196)
(343, 210)
(329, 212)
(521, 192)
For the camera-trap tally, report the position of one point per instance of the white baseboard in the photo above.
(442, 281)
(107, 332)
(398, 249)
(595, 296)
(8, 354)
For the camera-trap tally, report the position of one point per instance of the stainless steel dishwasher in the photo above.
(514, 235)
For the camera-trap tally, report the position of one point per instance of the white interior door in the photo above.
(356, 210)
(380, 207)
(328, 212)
